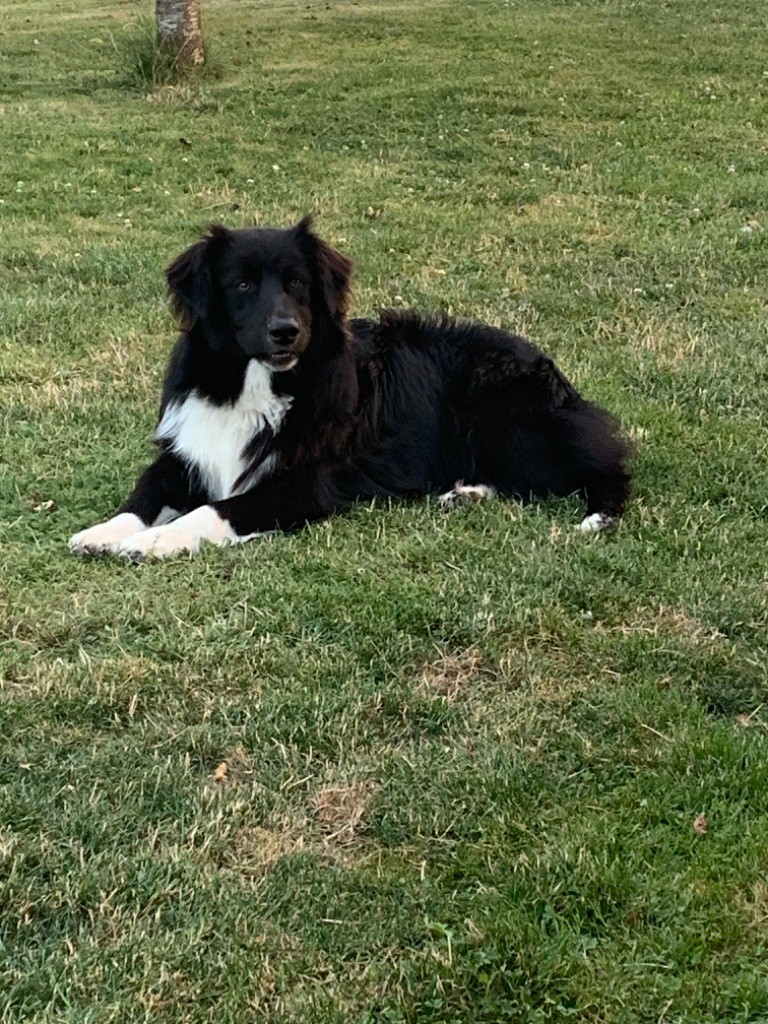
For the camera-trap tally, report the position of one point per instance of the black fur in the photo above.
(396, 407)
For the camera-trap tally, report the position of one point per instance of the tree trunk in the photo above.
(180, 31)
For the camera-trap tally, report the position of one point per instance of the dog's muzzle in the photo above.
(282, 334)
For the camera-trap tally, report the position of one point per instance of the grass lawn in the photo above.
(404, 766)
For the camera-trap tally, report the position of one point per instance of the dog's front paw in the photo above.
(159, 542)
(105, 537)
(182, 535)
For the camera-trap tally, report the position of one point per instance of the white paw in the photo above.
(183, 534)
(466, 492)
(104, 537)
(598, 522)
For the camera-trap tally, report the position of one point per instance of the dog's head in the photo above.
(260, 290)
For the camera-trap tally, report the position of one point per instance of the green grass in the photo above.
(464, 754)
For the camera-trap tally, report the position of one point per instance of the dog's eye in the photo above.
(295, 282)
(244, 286)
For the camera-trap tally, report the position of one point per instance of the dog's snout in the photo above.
(283, 330)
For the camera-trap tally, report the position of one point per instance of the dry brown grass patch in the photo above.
(452, 673)
(664, 621)
(340, 810)
(257, 847)
(755, 906)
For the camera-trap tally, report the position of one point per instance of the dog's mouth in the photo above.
(282, 361)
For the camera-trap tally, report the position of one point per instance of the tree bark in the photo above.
(180, 31)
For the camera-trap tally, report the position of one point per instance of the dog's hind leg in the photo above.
(600, 457)
(461, 493)
(598, 522)
(607, 496)
(577, 449)
(534, 436)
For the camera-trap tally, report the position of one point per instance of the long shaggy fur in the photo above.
(344, 410)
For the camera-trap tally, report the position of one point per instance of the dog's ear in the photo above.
(335, 270)
(190, 279)
(336, 273)
(304, 227)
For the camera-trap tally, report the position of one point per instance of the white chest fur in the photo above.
(213, 438)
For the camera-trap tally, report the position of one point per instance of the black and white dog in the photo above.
(278, 410)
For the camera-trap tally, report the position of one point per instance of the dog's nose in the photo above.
(283, 331)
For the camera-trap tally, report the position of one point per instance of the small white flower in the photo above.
(275, 167)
